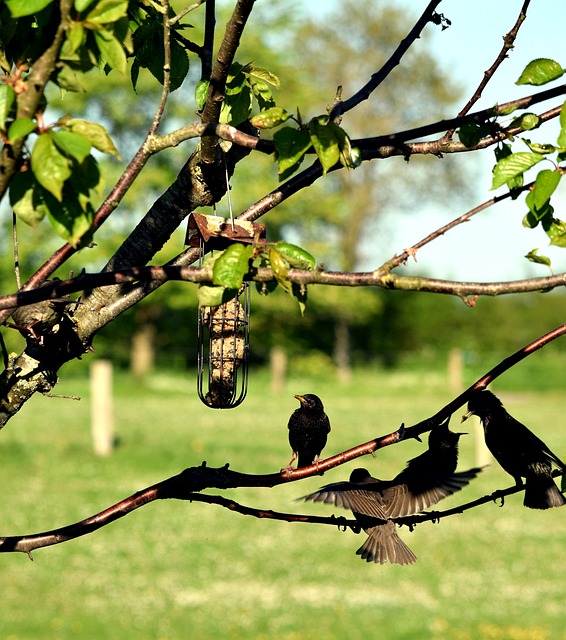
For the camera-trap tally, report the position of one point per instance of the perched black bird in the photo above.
(518, 451)
(426, 479)
(308, 430)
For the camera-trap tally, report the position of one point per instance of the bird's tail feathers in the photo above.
(384, 545)
(542, 493)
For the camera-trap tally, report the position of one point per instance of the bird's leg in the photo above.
(289, 465)
(518, 480)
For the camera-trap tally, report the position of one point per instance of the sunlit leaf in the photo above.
(562, 135)
(533, 256)
(296, 256)
(557, 233)
(540, 71)
(214, 296)
(232, 265)
(7, 97)
(22, 198)
(107, 11)
(513, 166)
(20, 8)
(72, 144)
(49, 166)
(95, 133)
(265, 76)
(325, 143)
(544, 186)
(280, 268)
(270, 118)
(111, 50)
(201, 91)
(20, 128)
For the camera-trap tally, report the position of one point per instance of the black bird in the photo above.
(518, 450)
(426, 479)
(308, 430)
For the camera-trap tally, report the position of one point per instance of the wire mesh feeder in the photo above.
(223, 331)
(223, 348)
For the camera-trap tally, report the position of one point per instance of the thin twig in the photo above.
(377, 78)
(508, 43)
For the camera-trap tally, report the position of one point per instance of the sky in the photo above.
(491, 246)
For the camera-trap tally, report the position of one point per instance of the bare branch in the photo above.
(508, 43)
(377, 78)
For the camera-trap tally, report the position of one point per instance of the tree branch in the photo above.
(377, 78)
(226, 53)
(508, 44)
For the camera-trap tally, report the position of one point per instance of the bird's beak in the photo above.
(300, 399)
(466, 416)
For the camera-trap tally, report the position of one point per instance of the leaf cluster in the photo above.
(512, 166)
(231, 266)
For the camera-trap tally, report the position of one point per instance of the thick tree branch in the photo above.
(226, 53)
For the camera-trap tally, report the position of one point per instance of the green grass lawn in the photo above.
(175, 570)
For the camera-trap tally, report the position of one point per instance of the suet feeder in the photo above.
(223, 331)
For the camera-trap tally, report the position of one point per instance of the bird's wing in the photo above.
(349, 495)
(521, 436)
(417, 495)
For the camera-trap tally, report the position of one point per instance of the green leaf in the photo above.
(533, 256)
(69, 218)
(537, 147)
(562, 135)
(270, 118)
(7, 97)
(201, 91)
(72, 144)
(214, 296)
(75, 37)
(527, 121)
(81, 5)
(20, 128)
(513, 166)
(265, 76)
(262, 94)
(20, 8)
(236, 107)
(324, 142)
(280, 268)
(544, 186)
(530, 221)
(349, 156)
(107, 11)
(557, 233)
(291, 145)
(540, 71)
(95, 133)
(111, 50)
(470, 133)
(232, 265)
(49, 166)
(296, 256)
(22, 198)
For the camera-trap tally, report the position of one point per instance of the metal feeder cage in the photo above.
(223, 348)
(223, 331)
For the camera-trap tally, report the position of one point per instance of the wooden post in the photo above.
(102, 423)
(278, 366)
(455, 368)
